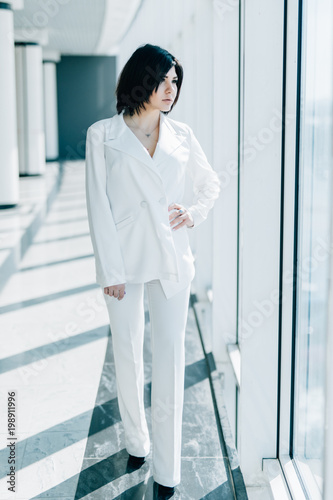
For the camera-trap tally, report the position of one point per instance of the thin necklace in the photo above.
(147, 135)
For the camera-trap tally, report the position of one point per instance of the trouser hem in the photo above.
(164, 481)
(136, 454)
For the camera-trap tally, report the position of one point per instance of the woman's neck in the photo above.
(146, 121)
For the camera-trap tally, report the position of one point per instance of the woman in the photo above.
(140, 166)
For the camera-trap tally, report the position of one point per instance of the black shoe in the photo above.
(134, 463)
(137, 460)
(163, 492)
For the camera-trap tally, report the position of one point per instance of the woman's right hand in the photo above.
(116, 291)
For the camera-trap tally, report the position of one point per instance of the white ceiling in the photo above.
(83, 27)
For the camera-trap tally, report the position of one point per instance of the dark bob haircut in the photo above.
(142, 75)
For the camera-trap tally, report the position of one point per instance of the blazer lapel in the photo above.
(120, 137)
(169, 140)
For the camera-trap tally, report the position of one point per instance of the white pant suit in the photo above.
(128, 196)
(168, 319)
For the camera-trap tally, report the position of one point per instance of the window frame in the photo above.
(301, 485)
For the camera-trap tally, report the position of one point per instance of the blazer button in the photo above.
(143, 203)
(162, 201)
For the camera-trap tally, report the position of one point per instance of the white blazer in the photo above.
(128, 193)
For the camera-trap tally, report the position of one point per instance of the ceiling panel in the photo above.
(76, 26)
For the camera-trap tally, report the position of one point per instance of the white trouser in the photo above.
(168, 319)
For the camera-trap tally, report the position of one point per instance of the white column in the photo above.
(225, 161)
(9, 193)
(202, 109)
(259, 233)
(50, 109)
(30, 120)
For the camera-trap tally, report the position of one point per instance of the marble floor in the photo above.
(56, 356)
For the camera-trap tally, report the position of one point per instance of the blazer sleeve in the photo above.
(206, 184)
(108, 259)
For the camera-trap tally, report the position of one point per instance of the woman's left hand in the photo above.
(180, 217)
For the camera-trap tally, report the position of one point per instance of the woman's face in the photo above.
(164, 96)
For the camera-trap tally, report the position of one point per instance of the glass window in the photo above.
(314, 200)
